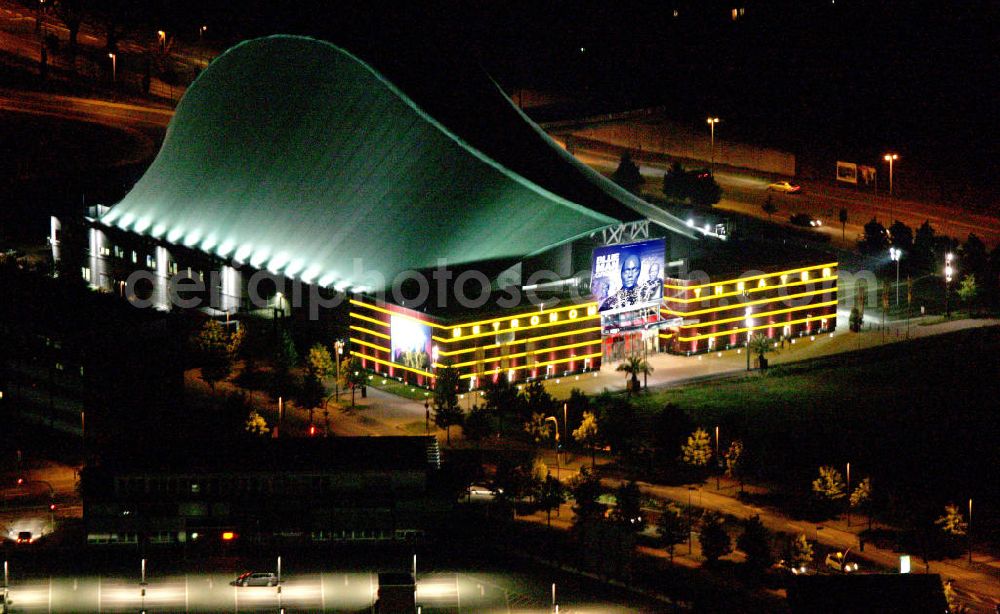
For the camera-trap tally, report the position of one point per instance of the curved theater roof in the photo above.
(293, 155)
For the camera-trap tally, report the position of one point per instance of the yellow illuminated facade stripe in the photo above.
(367, 319)
(748, 303)
(391, 364)
(521, 354)
(753, 277)
(362, 329)
(709, 297)
(736, 331)
(579, 306)
(580, 331)
(381, 348)
(541, 364)
(759, 315)
(492, 332)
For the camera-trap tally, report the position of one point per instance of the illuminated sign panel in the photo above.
(410, 342)
(627, 277)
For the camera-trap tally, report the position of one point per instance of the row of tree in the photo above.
(680, 185)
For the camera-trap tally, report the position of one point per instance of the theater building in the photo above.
(294, 160)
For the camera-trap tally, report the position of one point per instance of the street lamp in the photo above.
(339, 346)
(555, 421)
(114, 67)
(948, 273)
(896, 254)
(711, 124)
(718, 459)
(848, 494)
(890, 158)
(749, 323)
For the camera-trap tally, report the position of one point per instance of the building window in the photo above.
(150, 262)
(119, 252)
(104, 250)
(135, 257)
(85, 272)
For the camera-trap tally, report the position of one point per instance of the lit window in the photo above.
(697, 292)
(718, 289)
(496, 326)
(572, 314)
(553, 316)
(805, 275)
(534, 320)
(475, 330)
(85, 271)
(826, 272)
(457, 332)
(135, 257)
(740, 286)
(514, 323)
(761, 283)
(591, 310)
(119, 252)
(150, 262)
(784, 278)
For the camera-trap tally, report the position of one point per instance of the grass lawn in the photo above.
(398, 388)
(919, 414)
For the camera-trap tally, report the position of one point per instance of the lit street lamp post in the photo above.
(948, 272)
(749, 323)
(968, 531)
(848, 494)
(114, 67)
(555, 421)
(890, 158)
(896, 254)
(339, 346)
(718, 459)
(711, 124)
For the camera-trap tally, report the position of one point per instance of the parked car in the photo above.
(786, 567)
(25, 537)
(804, 219)
(838, 561)
(251, 578)
(784, 186)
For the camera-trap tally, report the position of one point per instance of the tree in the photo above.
(587, 436)
(875, 240)
(735, 463)
(855, 321)
(769, 207)
(861, 498)
(698, 187)
(761, 344)
(843, 223)
(628, 507)
(698, 450)
(671, 426)
(586, 489)
(800, 551)
(673, 528)
(714, 539)
(952, 522)
(829, 485)
(553, 494)
(967, 291)
(755, 542)
(285, 358)
(447, 413)
(502, 399)
(902, 236)
(71, 13)
(218, 349)
(634, 365)
(319, 362)
(256, 425)
(537, 428)
(627, 174)
(536, 399)
(975, 258)
(352, 375)
(479, 424)
(923, 247)
(312, 394)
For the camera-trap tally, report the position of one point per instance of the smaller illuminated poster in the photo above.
(410, 343)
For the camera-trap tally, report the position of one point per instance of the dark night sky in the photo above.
(844, 79)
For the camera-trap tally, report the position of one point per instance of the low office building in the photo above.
(306, 491)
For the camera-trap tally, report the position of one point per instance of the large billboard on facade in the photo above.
(410, 342)
(629, 276)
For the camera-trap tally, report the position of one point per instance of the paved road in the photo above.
(745, 192)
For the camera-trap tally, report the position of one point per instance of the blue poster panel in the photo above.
(624, 277)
